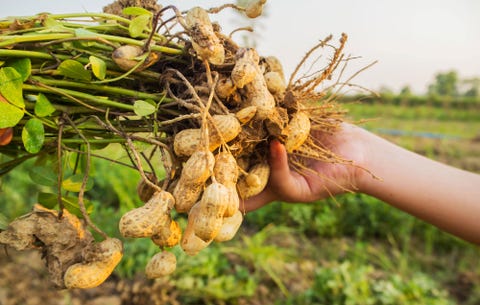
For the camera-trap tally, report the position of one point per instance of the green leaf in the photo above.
(99, 67)
(74, 183)
(43, 107)
(23, 66)
(43, 175)
(50, 200)
(143, 108)
(11, 86)
(138, 24)
(9, 115)
(135, 11)
(75, 70)
(33, 135)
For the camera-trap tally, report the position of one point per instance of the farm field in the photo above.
(352, 249)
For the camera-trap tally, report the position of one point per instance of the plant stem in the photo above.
(15, 39)
(81, 95)
(102, 88)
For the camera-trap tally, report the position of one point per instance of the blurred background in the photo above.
(352, 249)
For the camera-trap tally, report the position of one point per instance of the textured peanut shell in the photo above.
(254, 8)
(168, 235)
(275, 83)
(186, 195)
(125, 56)
(161, 264)
(256, 180)
(227, 127)
(191, 243)
(204, 40)
(211, 209)
(246, 67)
(225, 169)
(198, 167)
(143, 221)
(297, 131)
(246, 114)
(225, 88)
(97, 266)
(229, 227)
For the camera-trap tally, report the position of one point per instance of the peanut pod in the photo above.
(229, 227)
(99, 261)
(297, 131)
(143, 221)
(255, 181)
(161, 264)
(211, 209)
(191, 243)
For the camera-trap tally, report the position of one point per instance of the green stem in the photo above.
(14, 39)
(80, 95)
(102, 88)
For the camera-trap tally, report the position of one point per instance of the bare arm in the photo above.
(446, 197)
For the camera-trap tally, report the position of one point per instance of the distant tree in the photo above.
(446, 84)
(473, 87)
(406, 91)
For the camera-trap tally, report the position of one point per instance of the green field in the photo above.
(352, 249)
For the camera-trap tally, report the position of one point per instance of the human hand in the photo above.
(320, 179)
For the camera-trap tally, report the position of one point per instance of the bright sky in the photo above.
(411, 39)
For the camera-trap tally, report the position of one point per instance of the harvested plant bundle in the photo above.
(74, 83)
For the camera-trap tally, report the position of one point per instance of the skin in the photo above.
(444, 196)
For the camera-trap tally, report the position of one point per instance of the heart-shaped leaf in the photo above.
(33, 135)
(73, 69)
(23, 66)
(43, 107)
(99, 67)
(143, 108)
(11, 86)
(138, 25)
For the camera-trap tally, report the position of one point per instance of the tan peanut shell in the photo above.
(191, 244)
(204, 40)
(229, 227)
(256, 180)
(161, 264)
(195, 172)
(273, 64)
(297, 131)
(143, 221)
(225, 88)
(225, 172)
(186, 195)
(98, 264)
(254, 8)
(198, 167)
(125, 56)
(246, 114)
(275, 83)
(168, 235)
(211, 209)
(225, 169)
(224, 128)
(246, 67)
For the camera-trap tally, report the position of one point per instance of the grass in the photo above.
(351, 250)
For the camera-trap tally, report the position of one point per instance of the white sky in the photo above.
(412, 39)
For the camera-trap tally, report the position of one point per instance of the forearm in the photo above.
(444, 196)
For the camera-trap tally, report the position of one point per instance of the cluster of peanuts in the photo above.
(217, 169)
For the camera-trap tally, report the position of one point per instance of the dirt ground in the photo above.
(24, 281)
